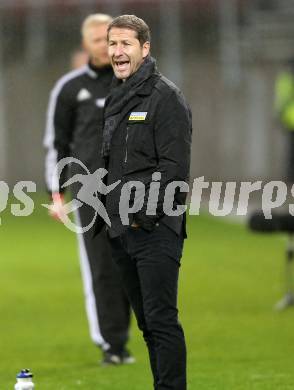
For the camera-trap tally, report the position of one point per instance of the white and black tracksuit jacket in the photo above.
(74, 129)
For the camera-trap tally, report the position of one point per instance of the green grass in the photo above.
(229, 281)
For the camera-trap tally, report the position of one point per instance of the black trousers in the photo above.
(107, 306)
(149, 265)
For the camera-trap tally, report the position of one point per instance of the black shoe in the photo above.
(126, 357)
(110, 359)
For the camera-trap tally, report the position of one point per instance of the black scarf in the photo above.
(121, 93)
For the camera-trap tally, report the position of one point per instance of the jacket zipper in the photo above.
(126, 155)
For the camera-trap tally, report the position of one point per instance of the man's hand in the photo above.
(57, 208)
(145, 222)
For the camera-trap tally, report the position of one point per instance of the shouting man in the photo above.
(147, 137)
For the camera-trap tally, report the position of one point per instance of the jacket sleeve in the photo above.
(58, 135)
(172, 138)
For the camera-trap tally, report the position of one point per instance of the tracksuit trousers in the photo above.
(107, 306)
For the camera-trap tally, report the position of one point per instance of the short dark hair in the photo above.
(134, 23)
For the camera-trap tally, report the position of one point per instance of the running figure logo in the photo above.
(92, 186)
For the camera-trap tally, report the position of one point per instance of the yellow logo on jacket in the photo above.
(137, 116)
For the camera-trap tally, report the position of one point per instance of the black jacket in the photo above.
(157, 141)
(75, 121)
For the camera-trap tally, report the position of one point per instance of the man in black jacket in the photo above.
(146, 144)
(74, 129)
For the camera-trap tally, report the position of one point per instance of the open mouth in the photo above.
(121, 65)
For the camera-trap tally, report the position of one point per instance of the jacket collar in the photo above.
(147, 87)
(94, 72)
(91, 72)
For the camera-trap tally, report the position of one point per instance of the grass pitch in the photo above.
(229, 281)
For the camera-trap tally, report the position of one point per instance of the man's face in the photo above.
(95, 43)
(125, 52)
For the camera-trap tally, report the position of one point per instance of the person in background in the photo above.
(74, 129)
(284, 105)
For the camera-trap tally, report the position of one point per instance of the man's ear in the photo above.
(146, 49)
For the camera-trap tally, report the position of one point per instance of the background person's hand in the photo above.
(57, 209)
